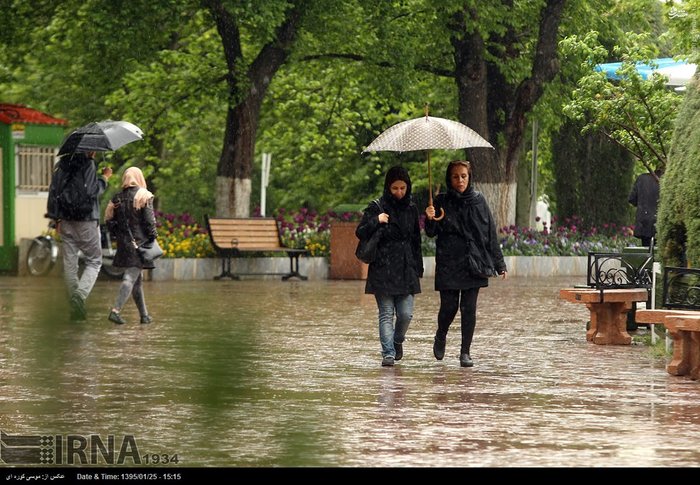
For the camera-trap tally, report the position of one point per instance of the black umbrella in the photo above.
(101, 136)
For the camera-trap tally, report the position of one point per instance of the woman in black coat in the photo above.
(130, 214)
(393, 277)
(467, 254)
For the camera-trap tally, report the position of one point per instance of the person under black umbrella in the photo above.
(74, 206)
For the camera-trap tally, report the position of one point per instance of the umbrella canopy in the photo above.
(101, 136)
(427, 133)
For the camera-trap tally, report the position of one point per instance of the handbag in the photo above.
(149, 251)
(366, 250)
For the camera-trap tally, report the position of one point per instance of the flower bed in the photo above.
(182, 237)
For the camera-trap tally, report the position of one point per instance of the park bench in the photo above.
(231, 237)
(685, 331)
(608, 310)
(617, 270)
(681, 295)
(680, 299)
(615, 283)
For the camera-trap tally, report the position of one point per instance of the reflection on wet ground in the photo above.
(271, 373)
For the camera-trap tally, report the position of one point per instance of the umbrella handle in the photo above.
(430, 203)
(430, 184)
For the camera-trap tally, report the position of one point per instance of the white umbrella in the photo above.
(427, 133)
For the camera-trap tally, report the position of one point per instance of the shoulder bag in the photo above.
(149, 251)
(366, 250)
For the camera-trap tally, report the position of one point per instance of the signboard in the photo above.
(17, 131)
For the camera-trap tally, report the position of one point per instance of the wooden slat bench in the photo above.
(608, 311)
(233, 236)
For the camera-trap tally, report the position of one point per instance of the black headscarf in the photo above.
(469, 195)
(393, 174)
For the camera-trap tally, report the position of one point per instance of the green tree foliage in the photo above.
(684, 27)
(592, 177)
(75, 53)
(678, 223)
(180, 101)
(355, 68)
(606, 25)
(635, 113)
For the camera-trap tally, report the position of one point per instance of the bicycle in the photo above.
(45, 249)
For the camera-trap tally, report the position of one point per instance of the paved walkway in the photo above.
(270, 373)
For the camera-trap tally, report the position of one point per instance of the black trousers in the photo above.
(465, 302)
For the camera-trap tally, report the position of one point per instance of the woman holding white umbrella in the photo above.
(467, 254)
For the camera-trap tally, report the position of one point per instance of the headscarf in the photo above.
(393, 174)
(132, 177)
(469, 195)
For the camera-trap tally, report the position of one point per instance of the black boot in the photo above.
(465, 360)
(398, 347)
(439, 348)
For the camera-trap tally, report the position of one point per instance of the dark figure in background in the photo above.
(467, 254)
(393, 277)
(645, 197)
(79, 232)
(130, 217)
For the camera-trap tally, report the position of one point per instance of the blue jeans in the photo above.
(390, 305)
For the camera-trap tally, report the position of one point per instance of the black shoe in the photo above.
(146, 319)
(388, 361)
(439, 348)
(465, 360)
(77, 308)
(399, 351)
(77, 317)
(116, 318)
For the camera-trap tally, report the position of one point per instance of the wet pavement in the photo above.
(270, 373)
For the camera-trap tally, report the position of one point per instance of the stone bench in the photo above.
(681, 295)
(685, 332)
(608, 311)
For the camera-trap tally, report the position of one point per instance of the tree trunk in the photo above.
(485, 97)
(246, 92)
(233, 180)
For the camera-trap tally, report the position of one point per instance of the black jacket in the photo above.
(399, 263)
(645, 197)
(95, 185)
(467, 249)
(142, 223)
